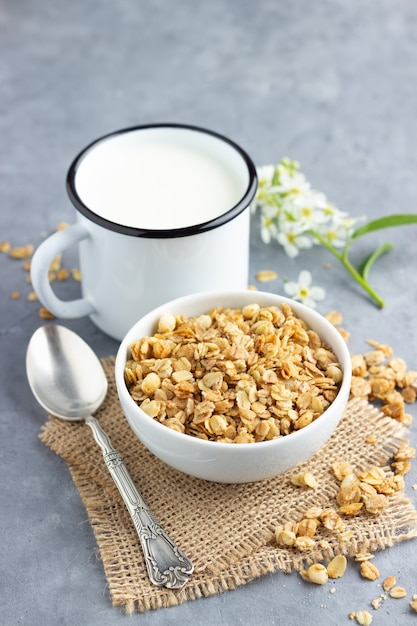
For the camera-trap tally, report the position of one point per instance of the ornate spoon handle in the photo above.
(167, 566)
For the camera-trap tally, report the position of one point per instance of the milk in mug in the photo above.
(152, 181)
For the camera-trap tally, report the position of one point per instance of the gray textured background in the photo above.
(329, 83)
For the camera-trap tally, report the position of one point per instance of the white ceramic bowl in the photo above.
(227, 462)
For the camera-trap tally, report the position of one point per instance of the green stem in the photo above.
(343, 258)
(366, 265)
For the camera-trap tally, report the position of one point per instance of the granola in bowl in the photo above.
(234, 375)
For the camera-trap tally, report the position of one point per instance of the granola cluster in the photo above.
(369, 489)
(303, 536)
(234, 375)
(366, 490)
(378, 375)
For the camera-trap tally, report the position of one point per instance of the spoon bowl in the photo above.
(68, 381)
(65, 375)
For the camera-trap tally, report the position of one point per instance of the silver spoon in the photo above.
(67, 379)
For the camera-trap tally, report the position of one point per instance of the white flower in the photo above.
(298, 217)
(332, 212)
(304, 209)
(291, 182)
(269, 220)
(265, 175)
(268, 228)
(292, 238)
(303, 291)
(338, 230)
(294, 214)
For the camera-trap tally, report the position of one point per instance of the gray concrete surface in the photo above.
(330, 83)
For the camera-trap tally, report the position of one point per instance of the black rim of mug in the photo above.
(229, 215)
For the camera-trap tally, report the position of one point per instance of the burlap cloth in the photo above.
(226, 530)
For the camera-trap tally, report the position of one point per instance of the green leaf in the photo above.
(400, 219)
(366, 265)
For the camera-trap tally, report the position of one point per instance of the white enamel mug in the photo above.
(162, 212)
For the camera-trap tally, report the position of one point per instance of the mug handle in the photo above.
(39, 268)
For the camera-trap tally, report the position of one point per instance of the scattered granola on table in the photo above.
(5, 246)
(45, 314)
(384, 380)
(56, 270)
(21, 252)
(337, 566)
(389, 582)
(397, 592)
(379, 376)
(316, 573)
(363, 618)
(266, 276)
(369, 570)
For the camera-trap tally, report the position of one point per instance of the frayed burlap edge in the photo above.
(226, 530)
